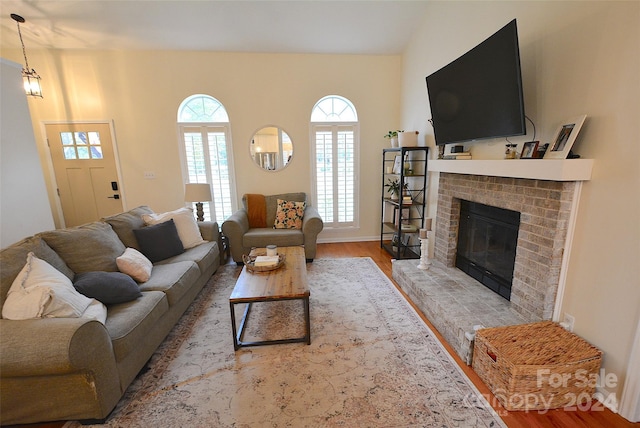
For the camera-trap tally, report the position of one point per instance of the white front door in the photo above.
(85, 168)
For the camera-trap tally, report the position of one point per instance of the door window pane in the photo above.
(81, 145)
(94, 138)
(69, 152)
(81, 138)
(66, 138)
(96, 152)
(83, 153)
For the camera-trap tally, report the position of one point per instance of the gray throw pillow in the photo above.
(88, 248)
(160, 241)
(107, 287)
(124, 224)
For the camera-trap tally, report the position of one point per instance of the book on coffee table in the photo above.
(266, 260)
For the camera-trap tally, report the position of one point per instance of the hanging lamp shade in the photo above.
(30, 79)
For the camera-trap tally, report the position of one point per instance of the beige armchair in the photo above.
(243, 234)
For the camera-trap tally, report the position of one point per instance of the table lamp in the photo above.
(198, 193)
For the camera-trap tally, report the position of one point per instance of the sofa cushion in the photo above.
(289, 215)
(129, 323)
(160, 241)
(107, 287)
(90, 247)
(13, 258)
(266, 236)
(174, 279)
(124, 224)
(135, 264)
(185, 223)
(40, 290)
(203, 255)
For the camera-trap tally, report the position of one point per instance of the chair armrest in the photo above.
(234, 229)
(209, 231)
(311, 226)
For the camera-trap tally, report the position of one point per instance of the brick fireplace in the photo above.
(546, 194)
(545, 208)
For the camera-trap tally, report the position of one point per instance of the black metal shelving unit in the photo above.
(401, 220)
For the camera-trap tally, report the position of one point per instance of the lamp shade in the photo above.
(197, 192)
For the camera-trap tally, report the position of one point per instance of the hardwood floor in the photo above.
(560, 418)
(600, 417)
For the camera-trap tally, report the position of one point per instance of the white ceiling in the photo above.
(293, 26)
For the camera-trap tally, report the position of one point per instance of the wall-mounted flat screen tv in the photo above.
(479, 95)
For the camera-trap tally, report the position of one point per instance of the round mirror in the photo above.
(271, 148)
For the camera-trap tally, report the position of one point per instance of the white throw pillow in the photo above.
(135, 264)
(185, 222)
(25, 304)
(40, 290)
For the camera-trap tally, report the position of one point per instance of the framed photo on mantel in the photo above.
(565, 136)
(529, 150)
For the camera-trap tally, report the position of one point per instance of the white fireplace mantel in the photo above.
(537, 169)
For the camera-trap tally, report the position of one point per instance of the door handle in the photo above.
(114, 197)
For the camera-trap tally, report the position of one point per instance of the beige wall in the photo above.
(141, 92)
(24, 209)
(577, 58)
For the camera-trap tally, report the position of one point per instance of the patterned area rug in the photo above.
(372, 362)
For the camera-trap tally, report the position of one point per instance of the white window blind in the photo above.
(335, 161)
(206, 148)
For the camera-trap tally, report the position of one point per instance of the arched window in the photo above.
(203, 125)
(334, 129)
(202, 108)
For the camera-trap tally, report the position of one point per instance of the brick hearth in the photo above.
(453, 302)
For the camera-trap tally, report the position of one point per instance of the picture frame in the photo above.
(565, 136)
(529, 150)
(397, 164)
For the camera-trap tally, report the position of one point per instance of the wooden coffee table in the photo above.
(289, 282)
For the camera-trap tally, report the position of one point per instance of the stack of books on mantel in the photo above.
(456, 156)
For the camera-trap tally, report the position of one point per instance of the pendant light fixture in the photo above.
(30, 78)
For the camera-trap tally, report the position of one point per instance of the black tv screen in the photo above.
(479, 95)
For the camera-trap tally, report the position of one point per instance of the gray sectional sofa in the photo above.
(75, 368)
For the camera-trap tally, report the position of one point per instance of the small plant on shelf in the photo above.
(393, 187)
(392, 134)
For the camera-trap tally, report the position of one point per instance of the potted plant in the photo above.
(393, 137)
(393, 187)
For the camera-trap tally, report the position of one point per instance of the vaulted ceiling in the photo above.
(293, 26)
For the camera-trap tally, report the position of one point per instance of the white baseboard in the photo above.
(338, 239)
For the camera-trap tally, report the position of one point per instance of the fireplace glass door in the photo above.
(487, 243)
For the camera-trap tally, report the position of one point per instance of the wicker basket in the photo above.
(536, 366)
(249, 262)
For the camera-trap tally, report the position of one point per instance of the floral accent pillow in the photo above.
(289, 215)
